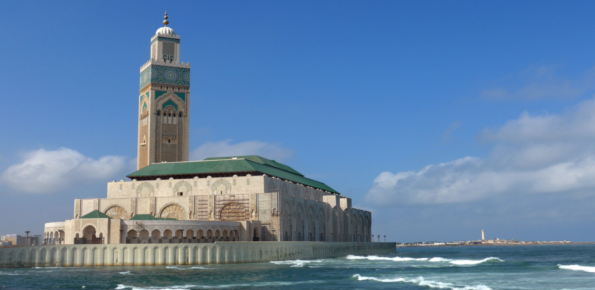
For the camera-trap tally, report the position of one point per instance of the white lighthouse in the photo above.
(483, 237)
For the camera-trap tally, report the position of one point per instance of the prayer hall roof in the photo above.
(226, 166)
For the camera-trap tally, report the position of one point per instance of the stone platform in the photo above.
(90, 255)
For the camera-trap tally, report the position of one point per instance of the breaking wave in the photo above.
(466, 262)
(432, 260)
(126, 273)
(577, 268)
(376, 258)
(296, 263)
(420, 281)
(223, 286)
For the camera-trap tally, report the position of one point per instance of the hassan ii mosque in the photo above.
(172, 200)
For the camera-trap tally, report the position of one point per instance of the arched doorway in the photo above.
(89, 235)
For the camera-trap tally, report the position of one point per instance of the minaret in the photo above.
(163, 101)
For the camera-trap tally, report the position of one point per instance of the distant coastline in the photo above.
(422, 245)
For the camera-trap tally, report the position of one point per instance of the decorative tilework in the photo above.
(170, 103)
(142, 97)
(159, 94)
(165, 75)
(159, 38)
(145, 77)
(181, 96)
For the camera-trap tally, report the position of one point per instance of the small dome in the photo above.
(165, 31)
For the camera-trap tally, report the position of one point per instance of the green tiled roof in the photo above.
(148, 217)
(240, 164)
(96, 215)
(261, 160)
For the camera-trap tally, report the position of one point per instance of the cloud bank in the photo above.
(534, 154)
(44, 171)
(225, 148)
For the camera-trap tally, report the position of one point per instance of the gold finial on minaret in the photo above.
(165, 22)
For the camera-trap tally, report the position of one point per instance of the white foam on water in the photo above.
(465, 262)
(223, 286)
(432, 260)
(11, 274)
(577, 268)
(376, 258)
(420, 281)
(297, 263)
(185, 268)
(126, 273)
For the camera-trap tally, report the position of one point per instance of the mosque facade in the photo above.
(172, 200)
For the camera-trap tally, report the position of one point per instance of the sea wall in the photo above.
(181, 254)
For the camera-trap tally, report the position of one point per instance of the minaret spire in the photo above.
(165, 22)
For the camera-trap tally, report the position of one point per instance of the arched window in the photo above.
(180, 114)
(158, 113)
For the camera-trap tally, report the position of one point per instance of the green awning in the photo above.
(96, 215)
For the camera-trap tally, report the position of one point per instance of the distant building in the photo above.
(18, 240)
(483, 237)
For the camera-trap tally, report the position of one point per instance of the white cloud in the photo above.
(545, 153)
(45, 171)
(575, 124)
(540, 82)
(224, 149)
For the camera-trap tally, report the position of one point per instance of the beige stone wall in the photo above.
(181, 254)
(286, 210)
(274, 184)
(194, 186)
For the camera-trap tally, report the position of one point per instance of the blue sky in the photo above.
(443, 118)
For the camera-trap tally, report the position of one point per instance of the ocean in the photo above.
(455, 268)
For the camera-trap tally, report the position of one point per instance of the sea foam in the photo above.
(465, 262)
(296, 263)
(11, 274)
(432, 260)
(420, 281)
(577, 268)
(376, 258)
